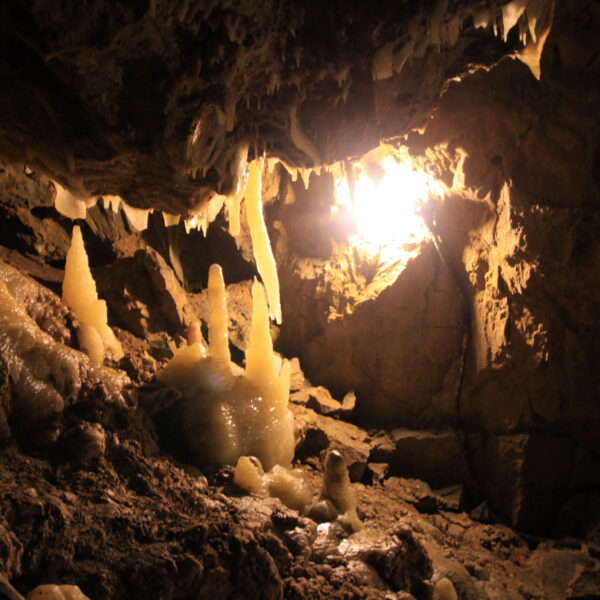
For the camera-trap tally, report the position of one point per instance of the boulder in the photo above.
(438, 458)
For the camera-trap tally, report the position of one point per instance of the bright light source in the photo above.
(387, 194)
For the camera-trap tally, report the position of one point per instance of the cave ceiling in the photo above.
(156, 101)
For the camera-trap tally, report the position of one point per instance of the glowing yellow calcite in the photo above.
(291, 486)
(249, 475)
(336, 483)
(263, 367)
(179, 368)
(43, 372)
(233, 208)
(337, 489)
(194, 335)
(79, 294)
(227, 416)
(270, 376)
(261, 246)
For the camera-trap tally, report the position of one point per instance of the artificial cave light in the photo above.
(387, 194)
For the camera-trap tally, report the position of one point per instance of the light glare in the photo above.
(386, 211)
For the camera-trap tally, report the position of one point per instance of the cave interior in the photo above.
(299, 299)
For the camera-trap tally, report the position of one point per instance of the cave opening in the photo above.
(299, 300)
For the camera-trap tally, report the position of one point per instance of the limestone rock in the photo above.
(297, 379)
(316, 433)
(172, 299)
(566, 573)
(84, 442)
(408, 377)
(420, 495)
(527, 476)
(142, 119)
(437, 458)
(580, 518)
(320, 400)
(375, 473)
(348, 403)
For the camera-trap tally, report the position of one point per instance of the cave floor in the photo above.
(133, 523)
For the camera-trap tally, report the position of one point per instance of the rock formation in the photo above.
(459, 383)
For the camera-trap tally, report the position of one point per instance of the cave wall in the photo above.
(520, 229)
(397, 347)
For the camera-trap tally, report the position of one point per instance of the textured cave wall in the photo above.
(531, 396)
(153, 100)
(397, 347)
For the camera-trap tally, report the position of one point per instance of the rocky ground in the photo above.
(107, 510)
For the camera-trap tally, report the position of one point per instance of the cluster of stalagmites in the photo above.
(337, 500)
(233, 417)
(227, 416)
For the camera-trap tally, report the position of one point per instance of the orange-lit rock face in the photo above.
(397, 348)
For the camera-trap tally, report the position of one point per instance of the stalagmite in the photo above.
(337, 499)
(79, 293)
(224, 416)
(263, 366)
(43, 372)
(265, 262)
(291, 486)
(249, 475)
(218, 337)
